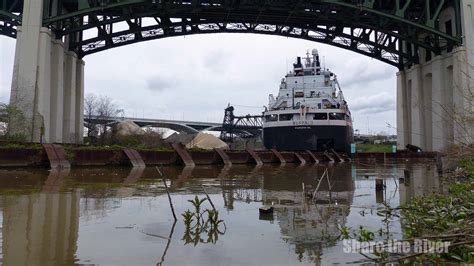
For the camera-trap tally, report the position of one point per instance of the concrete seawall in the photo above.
(78, 157)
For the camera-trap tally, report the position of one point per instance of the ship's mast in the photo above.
(317, 64)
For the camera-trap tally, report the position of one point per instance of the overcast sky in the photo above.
(195, 77)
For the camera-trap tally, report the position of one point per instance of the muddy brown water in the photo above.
(122, 216)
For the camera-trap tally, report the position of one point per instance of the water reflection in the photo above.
(40, 228)
(182, 177)
(55, 180)
(241, 184)
(134, 175)
(85, 215)
(418, 181)
(306, 223)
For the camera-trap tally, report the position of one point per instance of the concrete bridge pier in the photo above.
(48, 84)
(435, 97)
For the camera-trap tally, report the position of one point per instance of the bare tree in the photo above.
(106, 109)
(90, 113)
(98, 111)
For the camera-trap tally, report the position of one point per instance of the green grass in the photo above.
(99, 148)
(438, 215)
(446, 214)
(117, 147)
(468, 165)
(445, 217)
(376, 148)
(20, 146)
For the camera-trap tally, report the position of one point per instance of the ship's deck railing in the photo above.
(331, 107)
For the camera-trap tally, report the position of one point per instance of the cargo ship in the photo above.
(310, 112)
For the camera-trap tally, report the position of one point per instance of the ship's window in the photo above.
(348, 118)
(271, 118)
(336, 116)
(286, 117)
(299, 94)
(321, 116)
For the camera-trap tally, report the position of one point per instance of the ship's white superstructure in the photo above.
(308, 85)
(310, 112)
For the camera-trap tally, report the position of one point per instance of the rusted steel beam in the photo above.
(278, 155)
(183, 154)
(300, 158)
(134, 157)
(337, 156)
(316, 161)
(255, 156)
(329, 157)
(56, 156)
(225, 158)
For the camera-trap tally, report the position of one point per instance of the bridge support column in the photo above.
(57, 92)
(434, 98)
(48, 84)
(434, 104)
(463, 89)
(79, 111)
(69, 122)
(439, 99)
(403, 121)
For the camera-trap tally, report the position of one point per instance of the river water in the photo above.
(122, 216)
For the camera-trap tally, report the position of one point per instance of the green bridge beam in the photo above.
(10, 17)
(398, 14)
(394, 25)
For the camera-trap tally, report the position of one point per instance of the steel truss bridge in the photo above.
(244, 127)
(392, 31)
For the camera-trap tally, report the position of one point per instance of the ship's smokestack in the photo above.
(298, 64)
(298, 67)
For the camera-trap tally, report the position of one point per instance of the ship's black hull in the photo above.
(315, 138)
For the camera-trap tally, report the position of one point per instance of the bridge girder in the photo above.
(387, 30)
(10, 17)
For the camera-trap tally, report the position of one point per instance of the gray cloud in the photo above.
(374, 104)
(160, 83)
(217, 61)
(7, 47)
(362, 71)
